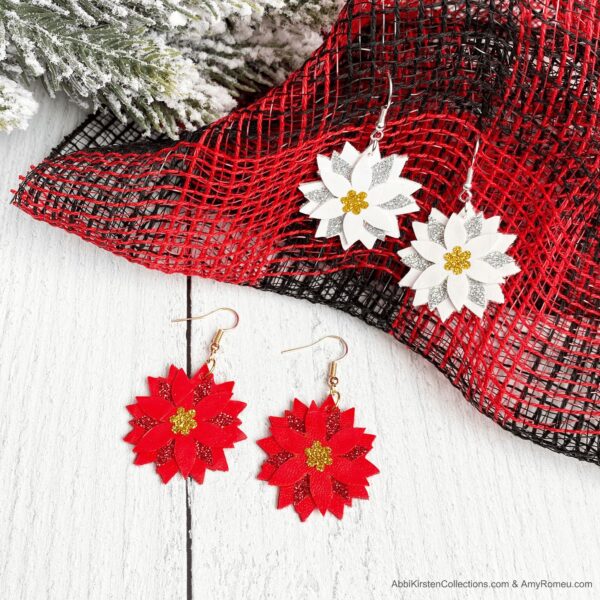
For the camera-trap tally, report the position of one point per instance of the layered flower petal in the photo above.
(188, 434)
(319, 461)
(360, 197)
(455, 262)
(185, 453)
(321, 489)
(455, 233)
(289, 472)
(458, 290)
(383, 220)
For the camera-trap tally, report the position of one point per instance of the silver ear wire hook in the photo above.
(466, 194)
(377, 134)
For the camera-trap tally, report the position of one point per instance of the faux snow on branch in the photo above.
(165, 64)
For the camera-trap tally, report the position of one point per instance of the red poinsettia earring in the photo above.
(315, 454)
(186, 423)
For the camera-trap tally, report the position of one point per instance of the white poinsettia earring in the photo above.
(360, 194)
(459, 261)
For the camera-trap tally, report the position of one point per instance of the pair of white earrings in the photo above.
(455, 262)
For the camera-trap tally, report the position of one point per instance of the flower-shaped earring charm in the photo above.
(185, 424)
(315, 454)
(458, 262)
(360, 194)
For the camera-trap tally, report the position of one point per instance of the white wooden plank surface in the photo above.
(457, 497)
(80, 330)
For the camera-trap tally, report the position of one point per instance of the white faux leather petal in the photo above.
(493, 293)
(431, 276)
(458, 290)
(454, 232)
(482, 271)
(421, 297)
(445, 308)
(410, 278)
(384, 192)
(350, 154)
(328, 210)
(407, 187)
(353, 228)
(506, 241)
(338, 185)
(381, 219)
(482, 245)
(420, 230)
(362, 173)
(430, 250)
(398, 165)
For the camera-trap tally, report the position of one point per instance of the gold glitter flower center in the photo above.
(318, 456)
(354, 202)
(457, 261)
(183, 421)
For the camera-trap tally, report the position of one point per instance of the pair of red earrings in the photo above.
(315, 455)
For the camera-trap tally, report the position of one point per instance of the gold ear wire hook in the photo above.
(332, 378)
(215, 344)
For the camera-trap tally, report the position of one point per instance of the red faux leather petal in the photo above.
(219, 462)
(347, 418)
(155, 438)
(289, 472)
(305, 507)
(134, 436)
(223, 389)
(143, 458)
(290, 440)
(266, 471)
(201, 449)
(286, 496)
(197, 473)
(135, 411)
(210, 407)
(347, 471)
(336, 506)
(307, 487)
(212, 435)
(299, 409)
(167, 470)
(155, 407)
(320, 489)
(185, 453)
(345, 440)
(269, 445)
(316, 421)
(234, 407)
(182, 390)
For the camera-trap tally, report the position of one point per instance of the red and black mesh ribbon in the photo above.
(223, 201)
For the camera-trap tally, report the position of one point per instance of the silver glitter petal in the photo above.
(397, 202)
(497, 259)
(320, 195)
(416, 261)
(476, 292)
(378, 233)
(334, 226)
(381, 170)
(340, 166)
(435, 230)
(437, 295)
(473, 226)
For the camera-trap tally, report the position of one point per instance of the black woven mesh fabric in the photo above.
(223, 202)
